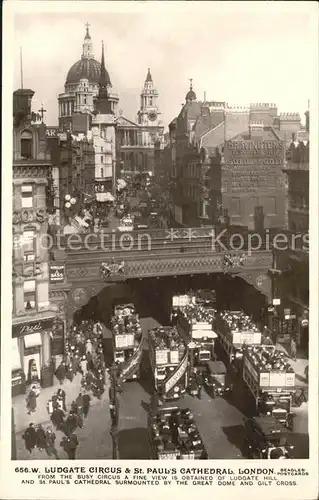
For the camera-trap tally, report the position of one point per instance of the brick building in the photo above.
(206, 173)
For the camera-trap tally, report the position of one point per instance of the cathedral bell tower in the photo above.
(149, 114)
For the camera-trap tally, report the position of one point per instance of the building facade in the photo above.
(33, 317)
(291, 266)
(253, 184)
(226, 162)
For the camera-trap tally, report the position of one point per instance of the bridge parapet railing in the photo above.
(162, 242)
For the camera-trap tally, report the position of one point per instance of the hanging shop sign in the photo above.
(32, 327)
(26, 216)
(57, 273)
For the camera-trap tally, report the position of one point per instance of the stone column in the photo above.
(46, 349)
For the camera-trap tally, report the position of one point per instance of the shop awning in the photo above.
(16, 360)
(32, 340)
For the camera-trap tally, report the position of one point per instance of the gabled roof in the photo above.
(121, 121)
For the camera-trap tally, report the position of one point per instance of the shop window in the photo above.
(27, 196)
(29, 295)
(26, 145)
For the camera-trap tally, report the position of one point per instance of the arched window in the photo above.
(26, 145)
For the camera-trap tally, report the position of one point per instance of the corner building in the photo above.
(33, 318)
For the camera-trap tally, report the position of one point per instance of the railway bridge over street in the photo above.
(93, 262)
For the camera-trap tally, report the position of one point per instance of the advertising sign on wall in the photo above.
(57, 273)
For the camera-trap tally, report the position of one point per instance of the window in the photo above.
(84, 99)
(235, 206)
(28, 246)
(26, 145)
(27, 196)
(29, 294)
(101, 150)
(151, 101)
(102, 172)
(102, 159)
(270, 206)
(254, 203)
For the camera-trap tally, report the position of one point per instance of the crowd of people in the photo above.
(83, 355)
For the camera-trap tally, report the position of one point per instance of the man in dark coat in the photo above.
(74, 407)
(79, 403)
(41, 438)
(60, 373)
(57, 418)
(31, 402)
(69, 372)
(61, 394)
(29, 437)
(73, 446)
(71, 423)
(50, 439)
(86, 404)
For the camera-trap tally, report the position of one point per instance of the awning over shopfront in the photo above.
(32, 340)
(16, 360)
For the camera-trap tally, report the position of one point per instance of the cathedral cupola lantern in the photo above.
(87, 45)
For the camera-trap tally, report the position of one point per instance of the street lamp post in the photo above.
(114, 409)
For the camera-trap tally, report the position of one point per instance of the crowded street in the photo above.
(219, 420)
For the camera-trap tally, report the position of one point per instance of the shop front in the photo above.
(31, 355)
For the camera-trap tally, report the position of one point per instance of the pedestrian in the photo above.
(74, 407)
(84, 365)
(88, 346)
(89, 380)
(69, 372)
(79, 403)
(293, 349)
(31, 401)
(73, 446)
(79, 421)
(86, 404)
(29, 437)
(71, 423)
(50, 440)
(41, 438)
(50, 407)
(61, 395)
(60, 373)
(57, 418)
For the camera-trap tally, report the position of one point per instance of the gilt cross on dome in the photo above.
(87, 30)
(191, 83)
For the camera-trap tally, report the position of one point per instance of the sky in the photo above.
(239, 56)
